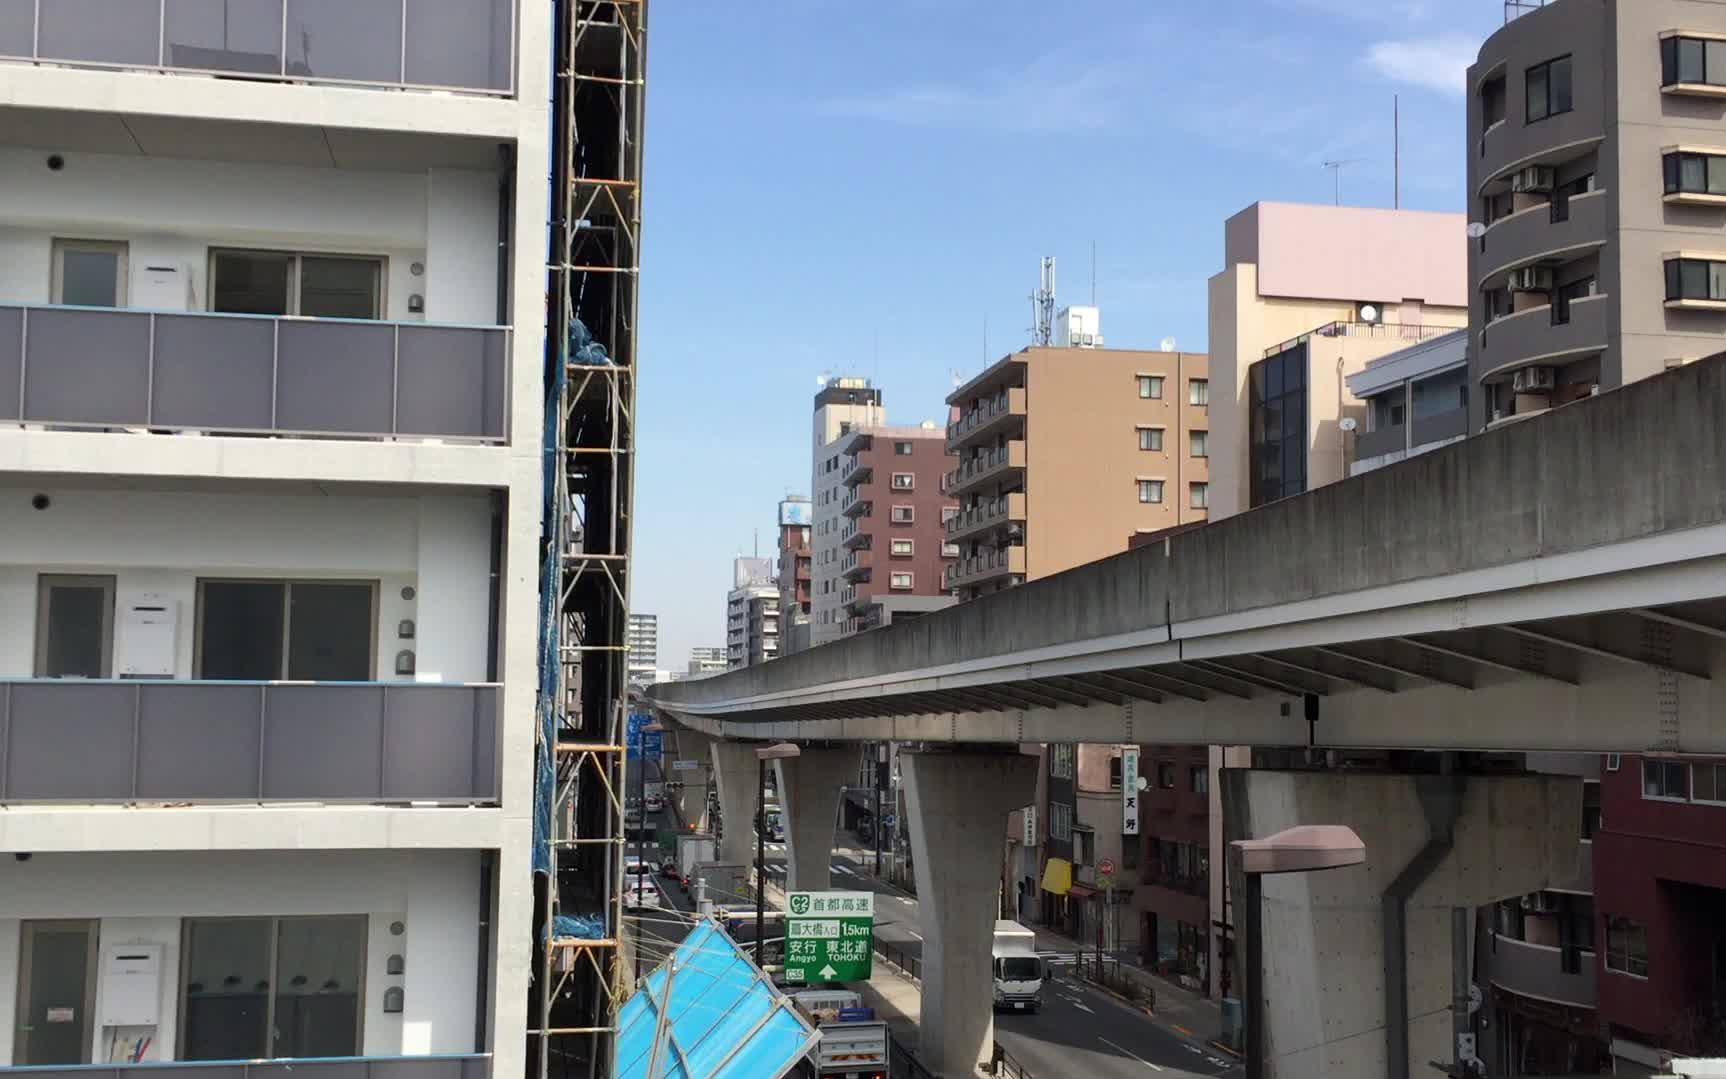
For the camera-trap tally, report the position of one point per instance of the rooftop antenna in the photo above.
(1043, 306)
(1336, 168)
(1396, 150)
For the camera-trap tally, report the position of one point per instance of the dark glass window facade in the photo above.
(1549, 90)
(1695, 174)
(1277, 389)
(1689, 60)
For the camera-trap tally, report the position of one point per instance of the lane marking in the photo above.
(1182, 1029)
(1129, 1052)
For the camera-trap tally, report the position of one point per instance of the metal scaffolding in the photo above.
(581, 973)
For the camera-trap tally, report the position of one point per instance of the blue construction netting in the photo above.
(578, 926)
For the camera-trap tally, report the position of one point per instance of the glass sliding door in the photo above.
(272, 987)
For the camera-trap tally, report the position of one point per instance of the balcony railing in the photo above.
(447, 45)
(1008, 402)
(112, 367)
(431, 1066)
(1377, 331)
(986, 464)
(992, 563)
(1539, 970)
(856, 471)
(992, 512)
(78, 741)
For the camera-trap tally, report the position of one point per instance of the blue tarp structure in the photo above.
(712, 1014)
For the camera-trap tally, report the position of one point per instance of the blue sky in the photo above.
(858, 188)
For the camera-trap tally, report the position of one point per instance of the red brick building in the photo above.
(894, 512)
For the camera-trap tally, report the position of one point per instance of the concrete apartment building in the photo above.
(842, 405)
(705, 661)
(271, 392)
(796, 574)
(892, 513)
(1061, 453)
(1416, 400)
(643, 641)
(752, 613)
(1597, 168)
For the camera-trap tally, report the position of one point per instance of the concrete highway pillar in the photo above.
(690, 792)
(958, 805)
(809, 800)
(734, 772)
(1432, 843)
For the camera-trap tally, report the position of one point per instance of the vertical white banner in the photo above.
(1130, 791)
(1030, 815)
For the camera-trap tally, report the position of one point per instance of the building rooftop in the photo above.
(1418, 361)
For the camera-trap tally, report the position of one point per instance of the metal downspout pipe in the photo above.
(1441, 802)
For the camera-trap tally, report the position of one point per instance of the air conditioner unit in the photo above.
(1534, 178)
(1531, 279)
(1535, 380)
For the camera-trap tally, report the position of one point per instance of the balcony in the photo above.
(468, 46)
(856, 471)
(1531, 235)
(77, 741)
(1391, 439)
(988, 417)
(1537, 970)
(1530, 336)
(987, 466)
(993, 513)
(985, 567)
(187, 371)
(854, 505)
(857, 565)
(853, 537)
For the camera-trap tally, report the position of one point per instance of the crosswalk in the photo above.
(776, 870)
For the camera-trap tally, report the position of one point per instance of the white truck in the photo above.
(853, 1042)
(654, 795)
(1019, 970)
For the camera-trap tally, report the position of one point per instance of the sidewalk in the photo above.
(1188, 1012)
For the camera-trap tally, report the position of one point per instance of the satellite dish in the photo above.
(821, 379)
(1476, 230)
(1368, 313)
(1347, 423)
(1168, 344)
(958, 378)
(1144, 784)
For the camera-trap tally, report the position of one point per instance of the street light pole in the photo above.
(760, 858)
(880, 784)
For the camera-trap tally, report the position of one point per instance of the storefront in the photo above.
(1178, 950)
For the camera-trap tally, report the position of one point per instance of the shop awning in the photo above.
(1080, 891)
(709, 1013)
(1058, 876)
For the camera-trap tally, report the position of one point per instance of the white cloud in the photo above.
(1439, 63)
(1048, 97)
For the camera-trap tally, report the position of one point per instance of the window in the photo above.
(1084, 848)
(948, 513)
(1692, 61)
(904, 481)
(1199, 495)
(1590, 808)
(902, 449)
(1695, 279)
(1664, 779)
(1492, 97)
(1695, 174)
(1150, 387)
(1566, 295)
(1198, 391)
(1115, 772)
(949, 550)
(1199, 443)
(1708, 782)
(89, 273)
(279, 283)
(1495, 302)
(1548, 87)
(74, 626)
(271, 987)
(1151, 438)
(1061, 822)
(314, 631)
(904, 515)
(1199, 779)
(1166, 775)
(1626, 946)
(1441, 393)
(902, 548)
(1150, 491)
(1562, 195)
(901, 582)
(1276, 415)
(1614, 761)
(1061, 760)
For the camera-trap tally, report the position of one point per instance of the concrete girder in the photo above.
(1600, 637)
(1366, 680)
(1122, 687)
(1692, 625)
(1482, 658)
(1236, 667)
(1045, 688)
(1160, 682)
(1207, 679)
(1390, 664)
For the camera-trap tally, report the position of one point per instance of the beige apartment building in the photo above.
(1597, 174)
(1063, 453)
(1308, 295)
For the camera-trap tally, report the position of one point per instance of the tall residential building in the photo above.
(1062, 453)
(1597, 170)
(643, 647)
(704, 661)
(795, 573)
(272, 290)
(752, 614)
(892, 512)
(1308, 295)
(841, 406)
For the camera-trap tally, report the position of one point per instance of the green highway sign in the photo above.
(829, 936)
